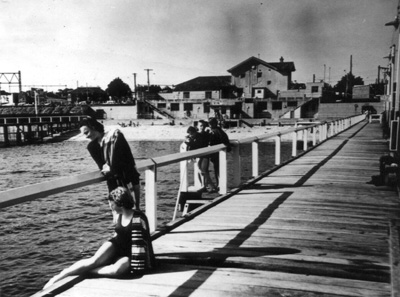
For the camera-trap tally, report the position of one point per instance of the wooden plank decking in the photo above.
(314, 227)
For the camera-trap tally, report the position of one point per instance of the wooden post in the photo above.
(294, 144)
(254, 157)
(237, 168)
(305, 139)
(223, 172)
(277, 150)
(197, 175)
(151, 196)
(18, 135)
(5, 134)
(184, 174)
(314, 139)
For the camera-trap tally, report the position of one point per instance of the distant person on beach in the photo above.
(129, 251)
(113, 156)
(217, 136)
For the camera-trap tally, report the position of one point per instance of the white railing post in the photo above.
(184, 175)
(278, 150)
(151, 196)
(294, 144)
(223, 172)
(314, 137)
(321, 132)
(305, 139)
(197, 175)
(254, 157)
(237, 167)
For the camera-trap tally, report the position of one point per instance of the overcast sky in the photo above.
(91, 42)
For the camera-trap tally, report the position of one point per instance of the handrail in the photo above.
(325, 130)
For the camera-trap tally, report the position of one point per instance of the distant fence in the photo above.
(314, 132)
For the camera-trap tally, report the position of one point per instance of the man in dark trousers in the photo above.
(217, 136)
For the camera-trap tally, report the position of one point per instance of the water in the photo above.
(41, 237)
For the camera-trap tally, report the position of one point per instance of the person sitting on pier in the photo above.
(113, 156)
(129, 251)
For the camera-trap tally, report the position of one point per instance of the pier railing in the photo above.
(313, 132)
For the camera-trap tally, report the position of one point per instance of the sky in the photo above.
(70, 43)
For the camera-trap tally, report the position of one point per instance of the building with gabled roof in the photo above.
(259, 79)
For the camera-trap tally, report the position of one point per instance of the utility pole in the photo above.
(148, 78)
(329, 77)
(351, 64)
(134, 80)
(324, 72)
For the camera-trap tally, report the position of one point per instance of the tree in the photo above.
(118, 88)
(154, 89)
(345, 85)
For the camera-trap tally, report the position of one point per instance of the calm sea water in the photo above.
(42, 237)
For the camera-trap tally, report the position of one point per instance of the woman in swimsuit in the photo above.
(128, 251)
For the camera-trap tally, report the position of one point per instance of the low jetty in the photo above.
(28, 130)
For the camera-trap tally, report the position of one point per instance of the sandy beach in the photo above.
(163, 131)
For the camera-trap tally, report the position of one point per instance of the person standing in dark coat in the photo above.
(217, 136)
(113, 156)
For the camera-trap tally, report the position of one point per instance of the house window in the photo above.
(314, 89)
(276, 105)
(259, 74)
(174, 106)
(269, 82)
(262, 106)
(206, 107)
(291, 103)
(208, 94)
(161, 105)
(186, 95)
(187, 106)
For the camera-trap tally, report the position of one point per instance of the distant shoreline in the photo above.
(149, 130)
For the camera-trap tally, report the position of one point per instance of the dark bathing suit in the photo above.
(134, 242)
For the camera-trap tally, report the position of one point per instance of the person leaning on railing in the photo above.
(113, 156)
(217, 136)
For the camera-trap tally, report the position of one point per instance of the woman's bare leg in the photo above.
(102, 257)
(118, 268)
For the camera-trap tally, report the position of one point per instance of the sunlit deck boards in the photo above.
(312, 228)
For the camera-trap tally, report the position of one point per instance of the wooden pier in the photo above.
(312, 227)
(27, 130)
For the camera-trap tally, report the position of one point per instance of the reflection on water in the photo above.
(41, 237)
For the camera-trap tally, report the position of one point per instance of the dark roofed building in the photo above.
(204, 83)
(206, 87)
